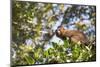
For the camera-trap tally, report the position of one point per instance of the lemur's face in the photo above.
(60, 30)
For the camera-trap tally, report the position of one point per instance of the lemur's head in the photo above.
(60, 30)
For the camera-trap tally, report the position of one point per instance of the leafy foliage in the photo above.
(33, 27)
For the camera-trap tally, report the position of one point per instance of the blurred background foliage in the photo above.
(33, 38)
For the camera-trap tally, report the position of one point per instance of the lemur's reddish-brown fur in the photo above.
(74, 35)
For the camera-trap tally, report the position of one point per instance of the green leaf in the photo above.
(29, 59)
